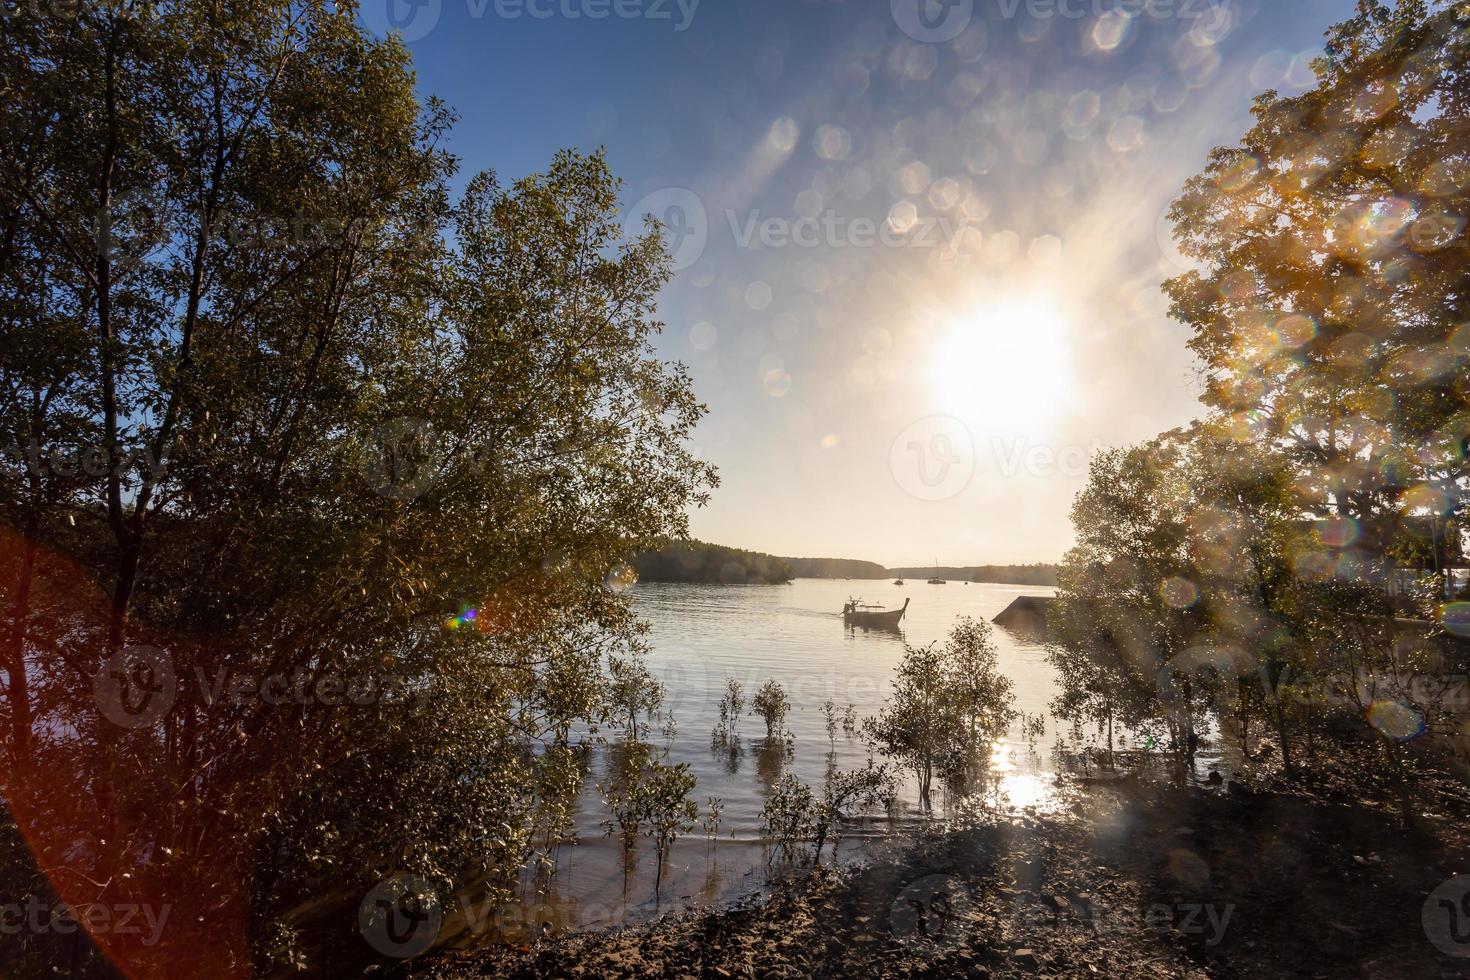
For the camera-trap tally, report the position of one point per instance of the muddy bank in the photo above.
(1135, 881)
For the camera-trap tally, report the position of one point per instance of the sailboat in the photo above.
(936, 580)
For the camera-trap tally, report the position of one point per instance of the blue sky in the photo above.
(920, 280)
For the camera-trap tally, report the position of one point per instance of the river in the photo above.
(703, 634)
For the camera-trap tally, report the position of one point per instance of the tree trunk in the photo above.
(1284, 737)
(20, 698)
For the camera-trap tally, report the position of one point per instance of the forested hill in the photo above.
(1001, 574)
(696, 561)
(835, 568)
(1039, 574)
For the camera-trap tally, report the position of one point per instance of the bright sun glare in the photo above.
(1005, 367)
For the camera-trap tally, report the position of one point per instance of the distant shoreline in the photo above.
(698, 562)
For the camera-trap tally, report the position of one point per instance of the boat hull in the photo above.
(870, 620)
(874, 621)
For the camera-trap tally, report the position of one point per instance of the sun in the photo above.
(1005, 367)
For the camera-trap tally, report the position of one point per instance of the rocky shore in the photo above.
(1136, 880)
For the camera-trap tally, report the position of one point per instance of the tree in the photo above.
(772, 705)
(830, 718)
(732, 704)
(1330, 302)
(947, 706)
(788, 816)
(632, 692)
(669, 810)
(846, 794)
(793, 814)
(341, 430)
(1119, 621)
(982, 698)
(1176, 601)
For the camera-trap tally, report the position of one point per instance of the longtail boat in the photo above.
(855, 614)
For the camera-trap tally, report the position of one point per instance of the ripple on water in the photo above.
(702, 634)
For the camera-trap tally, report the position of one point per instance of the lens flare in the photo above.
(1396, 720)
(1455, 617)
(466, 616)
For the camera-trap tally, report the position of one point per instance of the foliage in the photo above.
(835, 568)
(1329, 306)
(788, 817)
(772, 705)
(695, 561)
(668, 810)
(1039, 574)
(949, 704)
(1191, 597)
(732, 703)
(714, 810)
(830, 718)
(1242, 569)
(361, 406)
(1128, 608)
(624, 793)
(793, 814)
(632, 692)
(847, 793)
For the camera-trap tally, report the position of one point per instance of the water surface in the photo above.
(703, 634)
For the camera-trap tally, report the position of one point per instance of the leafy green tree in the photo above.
(632, 692)
(772, 704)
(794, 814)
(669, 811)
(948, 705)
(1329, 305)
(732, 704)
(1118, 627)
(695, 561)
(846, 794)
(789, 816)
(1176, 601)
(713, 813)
(982, 698)
(345, 431)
